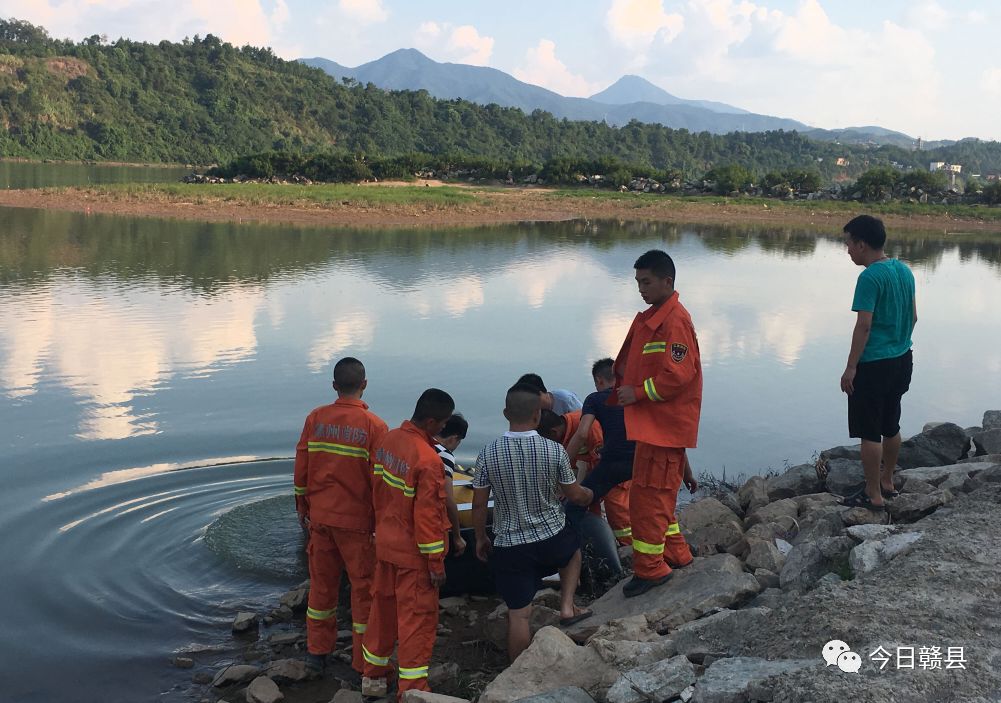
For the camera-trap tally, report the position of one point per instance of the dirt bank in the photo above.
(487, 206)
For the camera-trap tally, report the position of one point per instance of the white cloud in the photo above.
(927, 15)
(990, 80)
(542, 67)
(446, 42)
(635, 23)
(364, 11)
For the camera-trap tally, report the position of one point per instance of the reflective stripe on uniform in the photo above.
(397, 483)
(341, 449)
(359, 627)
(653, 347)
(673, 529)
(373, 659)
(624, 532)
(299, 490)
(417, 672)
(651, 390)
(432, 547)
(319, 614)
(377, 469)
(647, 548)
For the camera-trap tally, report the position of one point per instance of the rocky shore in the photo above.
(782, 571)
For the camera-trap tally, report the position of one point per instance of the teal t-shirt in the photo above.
(886, 289)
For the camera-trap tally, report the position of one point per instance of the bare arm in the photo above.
(577, 494)
(860, 335)
(579, 438)
(481, 497)
(458, 544)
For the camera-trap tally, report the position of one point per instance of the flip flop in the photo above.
(582, 615)
(862, 500)
(889, 494)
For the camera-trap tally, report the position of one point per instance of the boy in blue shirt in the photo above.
(879, 366)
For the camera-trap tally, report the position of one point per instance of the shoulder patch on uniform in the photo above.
(679, 352)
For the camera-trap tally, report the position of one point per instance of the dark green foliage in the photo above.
(730, 178)
(928, 181)
(991, 193)
(205, 101)
(877, 183)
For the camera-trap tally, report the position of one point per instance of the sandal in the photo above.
(862, 500)
(889, 494)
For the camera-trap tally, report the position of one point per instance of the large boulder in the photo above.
(844, 476)
(625, 654)
(848, 451)
(566, 694)
(818, 525)
(937, 474)
(709, 526)
(549, 662)
(263, 690)
(287, 670)
(781, 512)
(911, 507)
(808, 561)
(753, 494)
(721, 633)
(988, 441)
(234, 674)
(992, 420)
(244, 622)
(730, 680)
(945, 444)
(712, 582)
(872, 554)
(659, 681)
(634, 628)
(765, 555)
(798, 480)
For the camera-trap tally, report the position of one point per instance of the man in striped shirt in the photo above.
(527, 475)
(333, 496)
(446, 442)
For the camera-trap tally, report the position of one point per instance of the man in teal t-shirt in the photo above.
(879, 366)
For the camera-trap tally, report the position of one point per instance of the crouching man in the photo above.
(527, 475)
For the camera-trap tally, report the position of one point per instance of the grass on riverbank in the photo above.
(277, 195)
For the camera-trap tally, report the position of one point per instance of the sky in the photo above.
(923, 67)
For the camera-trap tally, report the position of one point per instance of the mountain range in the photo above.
(629, 98)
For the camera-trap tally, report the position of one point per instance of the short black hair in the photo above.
(455, 427)
(604, 368)
(349, 374)
(521, 402)
(868, 229)
(534, 379)
(434, 404)
(551, 421)
(658, 262)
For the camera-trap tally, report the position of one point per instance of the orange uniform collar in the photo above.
(357, 402)
(654, 317)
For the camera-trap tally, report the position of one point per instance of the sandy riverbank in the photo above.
(478, 206)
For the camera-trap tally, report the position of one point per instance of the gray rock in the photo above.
(863, 533)
(753, 494)
(548, 597)
(781, 512)
(659, 681)
(937, 474)
(843, 476)
(985, 459)
(624, 655)
(344, 695)
(872, 554)
(295, 599)
(686, 695)
(798, 480)
(992, 420)
(551, 660)
(567, 694)
(815, 502)
(283, 638)
(234, 674)
(766, 579)
(721, 632)
(848, 451)
(453, 605)
(829, 579)
(911, 507)
(992, 474)
(709, 526)
(772, 597)
(821, 525)
(765, 555)
(958, 482)
(440, 674)
(763, 532)
(916, 485)
(244, 622)
(263, 690)
(931, 426)
(809, 561)
(728, 680)
(287, 670)
(988, 441)
(941, 445)
(713, 582)
(729, 499)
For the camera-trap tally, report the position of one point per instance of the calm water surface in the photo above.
(155, 376)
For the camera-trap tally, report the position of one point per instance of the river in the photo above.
(155, 376)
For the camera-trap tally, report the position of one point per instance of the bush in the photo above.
(730, 178)
(877, 183)
(992, 193)
(928, 181)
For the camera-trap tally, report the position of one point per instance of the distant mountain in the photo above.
(633, 89)
(409, 69)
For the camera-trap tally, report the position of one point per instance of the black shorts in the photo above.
(874, 407)
(518, 569)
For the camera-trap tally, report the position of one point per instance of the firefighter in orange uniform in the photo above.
(333, 496)
(659, 382)
(411, 533)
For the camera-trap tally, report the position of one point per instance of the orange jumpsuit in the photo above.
(616, 501)
(333, 490)
(660, 359)
(411, 534)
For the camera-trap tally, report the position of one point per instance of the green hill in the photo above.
(204, 101)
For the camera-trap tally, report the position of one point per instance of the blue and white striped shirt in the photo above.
(524, 470)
